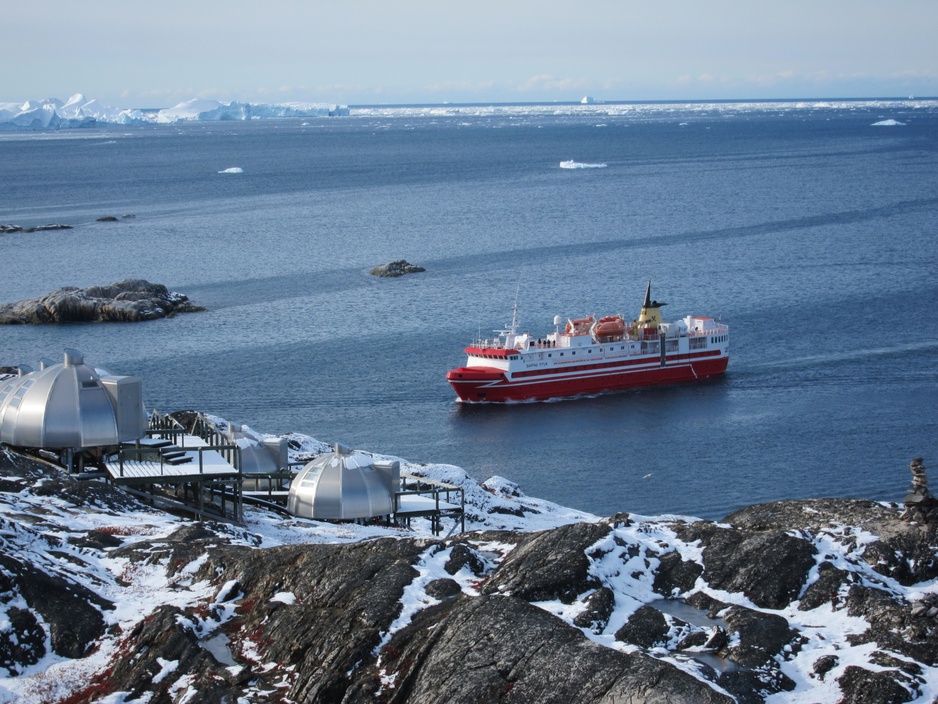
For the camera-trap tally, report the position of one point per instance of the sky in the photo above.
(128, 53)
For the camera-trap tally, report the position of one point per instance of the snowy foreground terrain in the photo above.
(163, 609)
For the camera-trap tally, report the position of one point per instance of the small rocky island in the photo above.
(398, 267)
(131, 300)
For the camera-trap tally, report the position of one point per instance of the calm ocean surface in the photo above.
(809, 230)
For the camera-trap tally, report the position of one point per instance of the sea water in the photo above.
(809, 229)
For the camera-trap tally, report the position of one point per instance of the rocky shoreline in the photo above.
(131, 300)
(106, 596)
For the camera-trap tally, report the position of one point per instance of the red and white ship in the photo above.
(592, 355)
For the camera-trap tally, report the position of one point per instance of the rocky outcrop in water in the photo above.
(131, 300)
(8, 229)
(398, 267)
(623, 609)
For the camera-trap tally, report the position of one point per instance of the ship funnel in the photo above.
(650, 316)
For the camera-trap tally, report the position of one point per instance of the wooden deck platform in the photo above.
(207, 476)
(155, 461)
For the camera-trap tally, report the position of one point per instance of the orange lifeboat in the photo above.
(609, 326)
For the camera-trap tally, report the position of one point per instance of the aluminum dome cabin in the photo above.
(260, 458)
(71, 409)
(345, 485)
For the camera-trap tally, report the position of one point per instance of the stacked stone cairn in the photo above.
(920, 505)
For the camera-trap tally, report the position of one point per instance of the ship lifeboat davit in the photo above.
(609, 326)
(580, 326)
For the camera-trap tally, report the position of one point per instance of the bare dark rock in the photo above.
(496, 648)
(892, 624)
(444, 589)
(24, 641)
(905, 551)
(829, 588)
(710, 640)
(71, 611)
(824, 664)
(761, 636)
(165, 637)
(768, 566)
(464, 556)
(399, 267)
(549, 565)
(862, 686)
(759, 642)
(599, 607)
(131, 300)
(646, 628)
(675, 575)
(88, 494)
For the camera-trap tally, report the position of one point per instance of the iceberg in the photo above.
(213, 110)
(78, 111)
(571, 164)
(888, 123)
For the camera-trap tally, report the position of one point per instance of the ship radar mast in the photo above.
(510, 333)
(650, 317)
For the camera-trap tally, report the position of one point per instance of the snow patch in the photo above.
(288, 598)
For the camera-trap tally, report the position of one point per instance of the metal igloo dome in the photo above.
(344, 485)
(70, 405)
(259, 456)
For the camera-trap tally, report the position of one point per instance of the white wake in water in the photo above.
(848, 356)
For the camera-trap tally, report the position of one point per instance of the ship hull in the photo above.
(489, 385)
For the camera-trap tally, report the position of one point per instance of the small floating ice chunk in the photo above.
(571, 164)
(888, 123)
(232, 170)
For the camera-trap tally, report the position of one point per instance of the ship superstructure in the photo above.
(592, 355)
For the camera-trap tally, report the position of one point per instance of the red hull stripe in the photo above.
(489, 384)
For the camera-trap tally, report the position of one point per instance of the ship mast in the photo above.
(511, 332)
